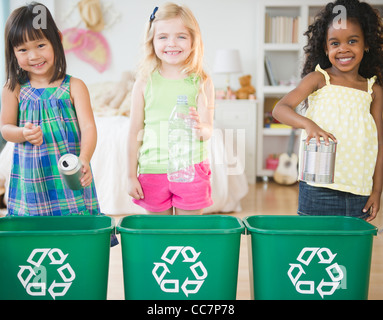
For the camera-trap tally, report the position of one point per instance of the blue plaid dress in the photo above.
(36, 187)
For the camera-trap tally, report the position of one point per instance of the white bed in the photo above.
(111, 106)
(110, 171)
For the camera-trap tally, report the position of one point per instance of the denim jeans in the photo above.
(317, 201)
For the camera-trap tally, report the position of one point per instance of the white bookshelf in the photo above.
(286, 61)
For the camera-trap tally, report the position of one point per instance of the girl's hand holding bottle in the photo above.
(203, 130)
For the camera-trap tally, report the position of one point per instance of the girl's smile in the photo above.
(173, 53)
(345, 61)
(39, 65)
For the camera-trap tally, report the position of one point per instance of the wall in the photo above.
(4, 8)
(224, 24)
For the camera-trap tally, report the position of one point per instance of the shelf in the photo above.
(282, 47)
(277, 90)
(278, 132)
(285, 61)
(265, 173)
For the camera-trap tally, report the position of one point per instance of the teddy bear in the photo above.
(119, 98)
(246, 88)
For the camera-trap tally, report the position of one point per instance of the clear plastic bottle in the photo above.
(180, 142)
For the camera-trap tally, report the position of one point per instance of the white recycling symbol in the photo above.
(189, 286)
(29, 278)
(326, 257)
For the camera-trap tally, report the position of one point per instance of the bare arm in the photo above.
(284, 111)
(8, 121)
(134, 141)
(81, 101)
(204, 117)
(373, 203)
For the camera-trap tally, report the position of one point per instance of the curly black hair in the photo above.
(372, 27)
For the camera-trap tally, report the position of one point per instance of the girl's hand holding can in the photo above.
(87, 178)
(315, 132)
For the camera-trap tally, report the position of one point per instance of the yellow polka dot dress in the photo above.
(345, 112)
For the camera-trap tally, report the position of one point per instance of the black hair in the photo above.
(372, 28)
(20, 27)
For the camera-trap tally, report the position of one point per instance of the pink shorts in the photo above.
(161, 195)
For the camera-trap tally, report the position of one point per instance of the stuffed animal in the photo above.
(119, 97)
(246, 88)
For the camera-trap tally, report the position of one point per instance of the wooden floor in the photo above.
(263, 199)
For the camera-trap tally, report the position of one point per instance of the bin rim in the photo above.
(370, 229)
(240, 229)
(67, 232)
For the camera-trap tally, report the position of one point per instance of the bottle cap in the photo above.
(182, 100)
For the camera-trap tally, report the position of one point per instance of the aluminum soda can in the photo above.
(70, 169)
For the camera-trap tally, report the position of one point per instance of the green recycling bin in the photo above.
(55, 258)
(180, 257)
(309, 258)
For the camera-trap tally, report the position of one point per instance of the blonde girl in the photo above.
(172, 66)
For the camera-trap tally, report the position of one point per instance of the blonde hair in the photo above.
(194, 63)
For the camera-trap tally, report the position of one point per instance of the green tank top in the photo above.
(160, 99)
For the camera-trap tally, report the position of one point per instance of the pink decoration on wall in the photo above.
(89, 46)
